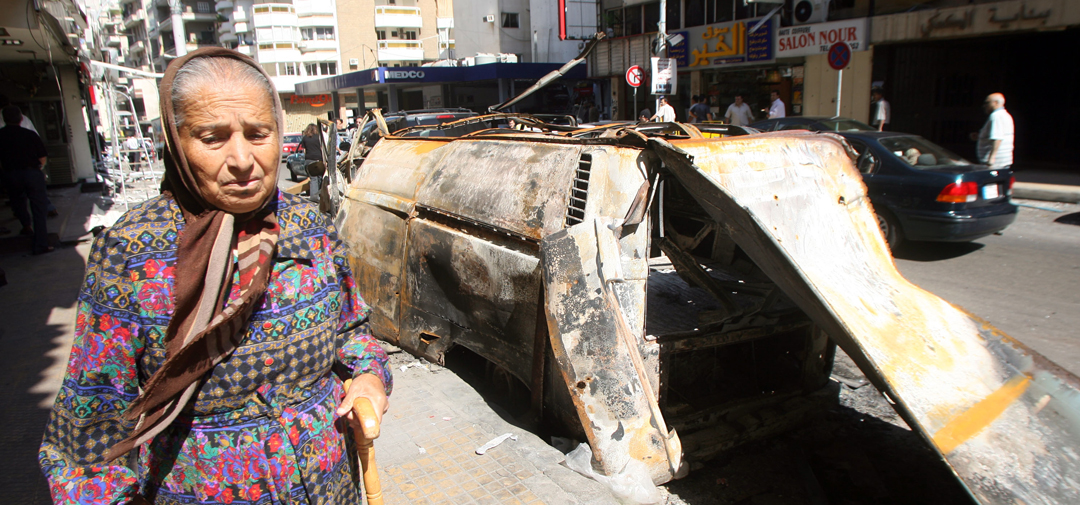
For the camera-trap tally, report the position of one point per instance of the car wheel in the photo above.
(890, 230)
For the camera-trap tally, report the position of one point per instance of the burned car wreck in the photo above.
(667, 292)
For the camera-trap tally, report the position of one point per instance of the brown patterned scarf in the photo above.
(203, 331)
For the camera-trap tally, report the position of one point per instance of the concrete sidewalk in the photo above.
(1047, 185)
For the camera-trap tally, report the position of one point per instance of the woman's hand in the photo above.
(368, 386)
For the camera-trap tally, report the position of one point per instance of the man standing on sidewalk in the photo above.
(882, 110)
(777, 109)
(665, 113)
(22, 154)
(994, 145)
(739, 113)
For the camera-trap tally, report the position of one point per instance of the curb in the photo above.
(1046, 192)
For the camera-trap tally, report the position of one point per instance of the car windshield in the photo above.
(845, 125)
(292, 139)
(921, 153)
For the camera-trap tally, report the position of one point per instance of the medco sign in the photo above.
(314, 101)
(404, 74)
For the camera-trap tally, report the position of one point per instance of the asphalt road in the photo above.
(1026, 281)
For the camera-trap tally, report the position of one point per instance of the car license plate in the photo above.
(990, 191)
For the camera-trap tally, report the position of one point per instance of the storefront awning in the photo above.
(382, 76)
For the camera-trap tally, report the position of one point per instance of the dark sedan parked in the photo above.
(921, 191)
(813, 123)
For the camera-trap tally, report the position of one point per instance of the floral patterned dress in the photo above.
(263, 428)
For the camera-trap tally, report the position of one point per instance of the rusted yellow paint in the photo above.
(980, 415)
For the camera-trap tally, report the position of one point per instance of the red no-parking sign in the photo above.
(634, 76)
(839, 55)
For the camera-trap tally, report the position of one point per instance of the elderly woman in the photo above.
(209, 322)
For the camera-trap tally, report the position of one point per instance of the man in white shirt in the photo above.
(995, 140)
(882, 110)
(665, 113)
(739, 113)
(777, 109)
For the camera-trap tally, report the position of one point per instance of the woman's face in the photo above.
(230, 139)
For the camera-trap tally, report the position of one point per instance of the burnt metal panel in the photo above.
(598, 354)
(1004, 418)
(466, 289)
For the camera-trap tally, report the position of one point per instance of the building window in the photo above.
(288, 69)
(510, 20)
(328, 68)
(317, 33)
(408, 35)
(381, 34)
(202, 7)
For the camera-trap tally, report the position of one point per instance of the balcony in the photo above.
(226, 38)
(401, 50)
(136, 48)
(134, 18)
(314, 8)
(392, 16)
(444, 23)
(245, 49)
(225, 27)
(165, 25)
(264, 15)
(112, 21)
(112, 40)
(239, 14)
(318, 45)
(241, 27)
(223, 5)
(278, 51)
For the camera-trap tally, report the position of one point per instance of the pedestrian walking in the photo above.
(22, 158)
(738, 113)
(994, 142)
(665, 113)
(699, 111)
(134, 149)
(216, 323)
(776, 108)
(882, 114)
(311, 146)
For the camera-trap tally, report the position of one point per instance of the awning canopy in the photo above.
(382, 76)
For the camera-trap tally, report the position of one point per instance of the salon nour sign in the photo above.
(813, 39)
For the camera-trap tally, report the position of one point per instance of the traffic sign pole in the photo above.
(839, 84)
(839, 56)
(634, 76)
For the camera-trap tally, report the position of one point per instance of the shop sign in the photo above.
(404, 74)
(726, 44)
(314, 101)
(806, 40)
(664, 76)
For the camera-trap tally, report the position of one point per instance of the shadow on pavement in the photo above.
(37, 310)
(935, 251)
(1073, 219)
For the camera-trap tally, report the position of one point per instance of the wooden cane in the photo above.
(365, 435)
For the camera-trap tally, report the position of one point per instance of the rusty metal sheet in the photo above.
(518, 186)
(1005, 419)
(598, 353)
(476, 291)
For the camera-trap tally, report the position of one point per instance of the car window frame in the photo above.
(865, 151)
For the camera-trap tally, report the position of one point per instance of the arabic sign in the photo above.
(816, 39)
(634, 76)
(724, 44)
(664, 76)
(314, 101)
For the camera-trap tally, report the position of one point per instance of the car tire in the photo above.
(890, 229)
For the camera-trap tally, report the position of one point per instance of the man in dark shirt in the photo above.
(22, 156)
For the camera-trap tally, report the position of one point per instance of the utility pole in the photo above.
(177, 10)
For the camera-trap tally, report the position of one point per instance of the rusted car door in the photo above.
(1004, 418)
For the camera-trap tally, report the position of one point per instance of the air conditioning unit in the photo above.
(490, 18)
(805, 12)
(354, 62)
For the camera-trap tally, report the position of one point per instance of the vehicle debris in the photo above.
(493, 443)
(667, 296)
